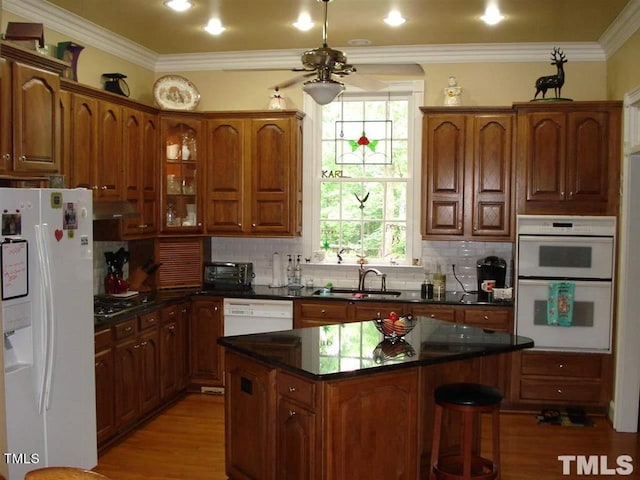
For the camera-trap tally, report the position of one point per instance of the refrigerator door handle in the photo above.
(44, 393)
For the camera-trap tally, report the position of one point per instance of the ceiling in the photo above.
(267, 24)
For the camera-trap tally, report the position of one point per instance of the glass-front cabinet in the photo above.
(182, 153)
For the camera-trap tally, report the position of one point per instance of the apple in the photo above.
(394, 317)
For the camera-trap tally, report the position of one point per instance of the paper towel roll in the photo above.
(276, 271)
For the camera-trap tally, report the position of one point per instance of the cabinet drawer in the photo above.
(499, 320)
(559, 390)
(126, 329)
(325, 311)
(102, 340)
(561, 364)
(149, 320)
(296, 388)
(431, 311)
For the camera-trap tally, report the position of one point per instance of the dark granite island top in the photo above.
(336, 401)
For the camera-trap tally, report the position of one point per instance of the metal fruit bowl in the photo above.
(395, 329)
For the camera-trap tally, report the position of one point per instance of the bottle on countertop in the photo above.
(439, 283)
(426, 290)
(297, 271)
(289, 270)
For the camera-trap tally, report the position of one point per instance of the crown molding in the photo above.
(91, 34)
(82, 31)
(621, 29)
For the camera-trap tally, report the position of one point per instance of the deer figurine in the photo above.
(553, 81)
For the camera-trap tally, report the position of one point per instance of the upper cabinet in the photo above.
(254, 174)
(30, 120)
(568, 157)
(182, 157)
(467, 160)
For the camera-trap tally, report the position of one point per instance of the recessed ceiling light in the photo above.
(394, 18)
(179, 5)
(304, 22)
(214, 27)
(492, 15)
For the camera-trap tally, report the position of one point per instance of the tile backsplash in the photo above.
(462, 254)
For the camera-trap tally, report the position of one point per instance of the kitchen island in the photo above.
(338, 401)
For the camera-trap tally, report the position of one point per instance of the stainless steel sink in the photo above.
(354, 293)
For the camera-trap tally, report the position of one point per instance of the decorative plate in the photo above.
(175, 93)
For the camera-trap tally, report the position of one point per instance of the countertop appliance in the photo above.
(227, 275)
(243, 316)
(47, 295)
(565, 276)
(491, 268)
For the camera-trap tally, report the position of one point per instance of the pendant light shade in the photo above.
(323, 91)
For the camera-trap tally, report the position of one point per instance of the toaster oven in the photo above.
(227, 275)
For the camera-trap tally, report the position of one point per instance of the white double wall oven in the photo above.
(575, 253)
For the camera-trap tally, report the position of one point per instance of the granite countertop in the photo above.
(349, 349)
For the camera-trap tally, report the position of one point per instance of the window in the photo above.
(365, 160)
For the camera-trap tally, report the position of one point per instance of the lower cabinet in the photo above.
(140, 366)
(555, 379)
(205, 356)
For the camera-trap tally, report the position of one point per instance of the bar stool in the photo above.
(468, 399)
(63, 473)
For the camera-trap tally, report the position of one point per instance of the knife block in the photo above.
(136, 280)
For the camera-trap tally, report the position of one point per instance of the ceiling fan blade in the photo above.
(293, 81)
(390, 69)
(364, 82)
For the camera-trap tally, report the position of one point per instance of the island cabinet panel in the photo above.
(362, 419)
(250, 407)
(568, 157)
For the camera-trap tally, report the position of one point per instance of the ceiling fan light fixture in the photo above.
(304, 22)
(214, 27)
(323, 91)
(179, 5)
(492, 15)
(394, 19)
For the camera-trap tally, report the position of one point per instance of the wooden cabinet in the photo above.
(141, 134)
(182, 154)
(30, 120)
(496, 319)
(173, 350)
(249, 436)
(205, 327)
(104, 374)
(314, 313)
(254, 175)
(82, 132)
(363, 311)
(467, 158)
(137, 368)
(297, 428)
(552, 379)
(441, 312)
(568, 157)
(109, 159)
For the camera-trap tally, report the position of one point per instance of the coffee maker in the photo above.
(490, 268)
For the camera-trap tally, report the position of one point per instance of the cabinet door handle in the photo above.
(292, 389)
(144, 344)
(128, 329)
(6, 157)
(172, 328)
(137, 345)
(144, 225)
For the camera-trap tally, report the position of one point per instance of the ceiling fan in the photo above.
(325, 63)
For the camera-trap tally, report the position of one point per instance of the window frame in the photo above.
(312, 153)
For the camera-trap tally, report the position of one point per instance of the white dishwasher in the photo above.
(243, 316)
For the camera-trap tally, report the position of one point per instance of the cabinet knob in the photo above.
(6, 157)
(127, 329)
(239, 225)
(144, 225)
(292, 389)
(486, 318)
(561, 365)
(144, 344)
(172, 328)
(323, 311)
(22, 158)
(433, 315)
(137, 345)
(559, 391)
(292, 413)
(253, 225)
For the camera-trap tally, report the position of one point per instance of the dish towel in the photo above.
(560, 303)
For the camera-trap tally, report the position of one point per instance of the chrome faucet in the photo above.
(362, 275)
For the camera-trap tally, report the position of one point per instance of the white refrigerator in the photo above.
(47, 315)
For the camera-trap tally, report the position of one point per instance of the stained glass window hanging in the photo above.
(364, 142)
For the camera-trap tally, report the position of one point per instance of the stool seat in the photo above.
(468, 394)
(63, 473)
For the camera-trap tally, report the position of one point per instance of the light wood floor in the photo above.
(186, 442)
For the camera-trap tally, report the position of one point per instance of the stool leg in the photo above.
(467, 443)
(496, 442)
(435, 441)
